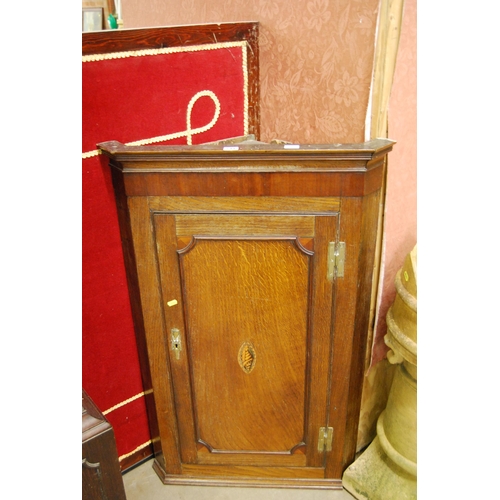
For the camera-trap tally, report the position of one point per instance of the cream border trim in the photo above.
(140, 447)
(166, 50)
(189, 132)
(127, 401)
(123, 403)
(172, 50)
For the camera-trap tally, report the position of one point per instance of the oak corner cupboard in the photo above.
(250, 269)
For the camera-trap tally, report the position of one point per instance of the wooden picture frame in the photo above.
(93, 19)
(109, 41)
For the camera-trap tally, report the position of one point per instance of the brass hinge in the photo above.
(325, 439)
(336, 260)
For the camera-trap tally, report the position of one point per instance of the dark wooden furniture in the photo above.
(253, 265)
(101, 476)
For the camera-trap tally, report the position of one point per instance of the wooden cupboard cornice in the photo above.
(251, 169)
(366, 152)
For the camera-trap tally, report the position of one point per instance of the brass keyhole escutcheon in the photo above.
(175, 340)
(247, 357)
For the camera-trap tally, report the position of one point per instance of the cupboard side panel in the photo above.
(365, 265)
(320, 341)
(135, 302)
(173, 307)
(343, 332)
(150, 295)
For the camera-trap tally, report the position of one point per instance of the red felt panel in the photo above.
(137, 98)
(110, 365)
(131, 424)
(131, 99)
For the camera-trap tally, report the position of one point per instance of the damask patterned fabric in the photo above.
(316, 59)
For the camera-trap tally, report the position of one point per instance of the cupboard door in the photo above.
(247, 305)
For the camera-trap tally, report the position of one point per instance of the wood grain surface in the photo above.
(242, 269)
(248, 291)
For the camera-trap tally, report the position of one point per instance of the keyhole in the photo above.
(176, 342)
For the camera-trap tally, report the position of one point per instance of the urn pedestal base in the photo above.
(374, 476)
(387, 470)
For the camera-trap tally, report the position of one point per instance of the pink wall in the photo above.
(401, 200)
(316, 59)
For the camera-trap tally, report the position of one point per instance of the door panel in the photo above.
(245, 286)
(246, 304)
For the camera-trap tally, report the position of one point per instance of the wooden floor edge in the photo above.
(251, 482)
(136, 459)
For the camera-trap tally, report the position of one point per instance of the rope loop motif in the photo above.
(188, 133)
(203, 93)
